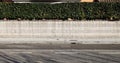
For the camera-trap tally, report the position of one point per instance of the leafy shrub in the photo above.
(76, 11)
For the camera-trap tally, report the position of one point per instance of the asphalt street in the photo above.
(58, 56)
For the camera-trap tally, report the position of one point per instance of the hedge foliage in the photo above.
(77, 11)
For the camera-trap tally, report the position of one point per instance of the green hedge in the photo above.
(77, 11)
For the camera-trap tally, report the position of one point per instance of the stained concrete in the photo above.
(60, 32)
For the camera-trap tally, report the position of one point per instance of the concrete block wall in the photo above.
(66, 31)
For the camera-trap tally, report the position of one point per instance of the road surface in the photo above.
(58, 56)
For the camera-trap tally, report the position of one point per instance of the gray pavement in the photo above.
(59, 42)
(60, 46)
(58, 56)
